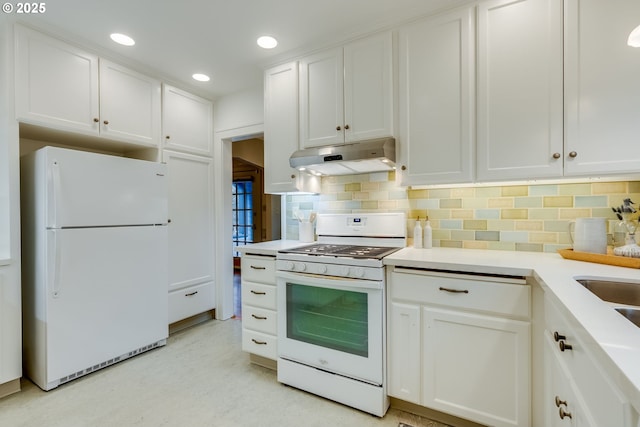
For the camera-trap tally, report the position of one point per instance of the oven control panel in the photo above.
(335, 270)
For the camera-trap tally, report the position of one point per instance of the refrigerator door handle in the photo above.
(55, 274)
(54, 194)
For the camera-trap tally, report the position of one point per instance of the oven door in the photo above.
(333, 324)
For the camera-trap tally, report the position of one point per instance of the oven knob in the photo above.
(359, 272)
(289, 265)
(301, 266)
(322, 269)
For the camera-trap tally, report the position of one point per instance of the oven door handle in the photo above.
(329, 281)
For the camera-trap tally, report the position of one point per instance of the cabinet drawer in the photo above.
(264, 345)
(190, 301)
(259, 319)
(259, 295)
(605, 402)
(260, 269)
(499, 295)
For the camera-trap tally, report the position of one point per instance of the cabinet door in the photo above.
(129, 105)
(602, 87)
(56, 84)
(321, 99)
(368, 88)
(520, 111)
(187, 121)
(477, 367)
(436, 100)
(191, 215)
(403, 355)
(280, 127)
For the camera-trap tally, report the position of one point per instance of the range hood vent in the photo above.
(374, 155)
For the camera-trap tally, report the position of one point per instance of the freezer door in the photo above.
(106, 295)
(88, 189)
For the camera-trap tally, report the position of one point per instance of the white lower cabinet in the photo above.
(468, 337)
(191, 286)
(578, 391)
(259, 309)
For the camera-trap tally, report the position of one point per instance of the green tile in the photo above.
(529, 247)
(488, 235)
(450, 203)
(591, 201)
(558, 201)
(475, 224)
(527, 202)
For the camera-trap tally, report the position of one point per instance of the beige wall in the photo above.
(516, 218)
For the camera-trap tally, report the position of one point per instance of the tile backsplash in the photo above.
(514, 217)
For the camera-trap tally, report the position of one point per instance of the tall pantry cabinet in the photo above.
(187, 152)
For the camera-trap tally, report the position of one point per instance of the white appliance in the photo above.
(331, 309)
(94, 261)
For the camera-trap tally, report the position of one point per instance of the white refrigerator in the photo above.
(94, 261)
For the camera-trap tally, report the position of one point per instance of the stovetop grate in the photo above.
(352, 251)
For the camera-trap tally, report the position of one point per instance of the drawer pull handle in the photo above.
(454, 291)
(258, 292)
(191, 294)
(259, 317)
(258, 342)
(257, 267)
(557, 337)
(564, 346)
(560, 402)
(564, 414)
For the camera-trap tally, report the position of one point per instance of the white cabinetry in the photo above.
(469, 337)
(191, 239)
(187, 121)
(520, 110)
(259, 309)
(602, 88)
(575, 383)
(436, 100)
(346, 94)
(62, 87)
(10, 332)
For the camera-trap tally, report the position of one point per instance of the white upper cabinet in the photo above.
(187, 121)
(129, 105)
(56, 84)
(65, 88)
(520, 104)
(602, 87)
(346, 94)
(436, 100)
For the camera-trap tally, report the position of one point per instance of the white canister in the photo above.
(306, 232)
(589, 235)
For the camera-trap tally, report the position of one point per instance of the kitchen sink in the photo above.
(615, 291)
(624, 297)
(632, 314)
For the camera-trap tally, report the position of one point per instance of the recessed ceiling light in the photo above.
(122, 39)
(201, 77)
(267, 42)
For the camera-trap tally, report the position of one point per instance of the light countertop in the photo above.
(618, 338)
(269, 248)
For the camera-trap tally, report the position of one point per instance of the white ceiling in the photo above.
(218, 37)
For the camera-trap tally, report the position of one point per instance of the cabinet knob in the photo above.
(96, 120)
(573, 154)
(346, 127)
(293, 176)
(557, 337)
(168, 137)
(564, 346)
(564, 414)
(403, 167)
(556, 155)
(338, 128)
(106, 122)
(560, 402)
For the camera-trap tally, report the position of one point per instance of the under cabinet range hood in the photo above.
(374, 155)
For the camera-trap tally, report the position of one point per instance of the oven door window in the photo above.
(330, 318)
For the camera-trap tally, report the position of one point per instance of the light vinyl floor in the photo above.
(200, 378)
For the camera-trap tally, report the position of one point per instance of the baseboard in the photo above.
(263, 361)
(191, 321)
(432, 414)
(9, 388)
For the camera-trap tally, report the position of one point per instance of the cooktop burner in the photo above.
(353, 251)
